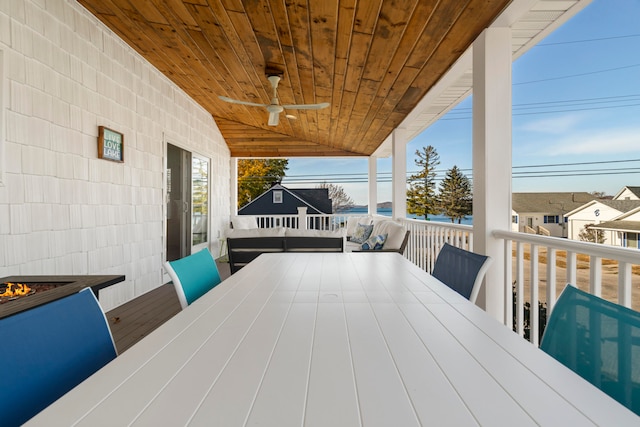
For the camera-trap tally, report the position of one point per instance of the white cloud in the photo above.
(603, 141)
(557, 124)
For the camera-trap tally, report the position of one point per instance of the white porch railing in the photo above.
(559, 261)
(427, 237)
(555, 262)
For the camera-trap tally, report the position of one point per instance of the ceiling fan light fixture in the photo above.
(274, 108)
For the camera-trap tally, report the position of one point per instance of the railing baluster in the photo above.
(595, 275)
(572, 268)
(624, 283)
(508, 278)
(520, 288)
(533, 293)
(551, 278)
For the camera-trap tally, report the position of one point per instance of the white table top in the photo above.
(334, 340)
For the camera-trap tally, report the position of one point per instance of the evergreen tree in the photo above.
(455, 199)
(255, 176)
(421, 195)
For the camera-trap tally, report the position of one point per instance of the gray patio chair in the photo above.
(461, 270)
(599, 340)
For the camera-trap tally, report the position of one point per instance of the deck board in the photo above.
(134, 320)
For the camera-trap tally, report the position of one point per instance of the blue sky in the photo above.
(576, 105)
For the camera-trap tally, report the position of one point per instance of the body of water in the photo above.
(387, 212)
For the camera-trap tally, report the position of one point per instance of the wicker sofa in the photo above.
(394, 236)
(245, 245)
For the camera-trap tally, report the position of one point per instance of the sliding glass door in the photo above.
(187, 202)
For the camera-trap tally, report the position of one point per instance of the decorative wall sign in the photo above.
(110, 144)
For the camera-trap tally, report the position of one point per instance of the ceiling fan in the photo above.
(275, 108)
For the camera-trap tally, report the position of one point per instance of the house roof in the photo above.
(634, 190)
(622, 206)
(559, 203)
(313, 200)
(318, 197)
(632, 226)
(372, 61)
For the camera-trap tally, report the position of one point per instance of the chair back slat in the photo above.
(48, 350)
(599, 340)
(193, 276)
(461, 270)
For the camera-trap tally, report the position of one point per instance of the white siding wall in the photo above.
(556, 230)
(592, 214)
(63, 210)
(626, 195)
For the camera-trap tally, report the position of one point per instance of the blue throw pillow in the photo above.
(362, 233)
(374, 242)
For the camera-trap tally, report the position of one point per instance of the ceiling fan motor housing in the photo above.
(275, 108)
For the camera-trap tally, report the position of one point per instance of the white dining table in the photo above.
(334, 339)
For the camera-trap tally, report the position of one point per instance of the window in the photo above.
(199, 199)
(277, 196)
(630, 240)
(551, 219)
(514, 219)
(187, 198)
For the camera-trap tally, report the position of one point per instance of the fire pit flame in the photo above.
(14, 290)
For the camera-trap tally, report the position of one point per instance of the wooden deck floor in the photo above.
(139, 317)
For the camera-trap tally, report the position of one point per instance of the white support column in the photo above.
(373, 185)
(233, 179)
(492, 111)
(399, 173)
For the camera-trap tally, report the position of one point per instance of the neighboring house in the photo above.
(543, 213)
(628, 193)
(596, 212)
(623, 230)
(279, 200)
(615, 217)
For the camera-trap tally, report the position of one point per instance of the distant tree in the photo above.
(598, 194)
(340, 201)
(421, 195)
(455, 198)
(255, 176)
(589, 234)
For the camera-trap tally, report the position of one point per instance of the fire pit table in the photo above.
(56, 287)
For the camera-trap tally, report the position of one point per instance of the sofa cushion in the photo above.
(295, 232)
(257, 232)
(374, 243)
(241, 222)
(395, 233)
(361, 233)
(353, 221)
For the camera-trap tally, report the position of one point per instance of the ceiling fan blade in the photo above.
(307, 106)
(274, 119)
(237, 101)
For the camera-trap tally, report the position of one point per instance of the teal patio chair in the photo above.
(48, 350)
(193, 276)
(461, 270)
(599, 340)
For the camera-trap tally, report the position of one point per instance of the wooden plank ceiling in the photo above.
(372, 60)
